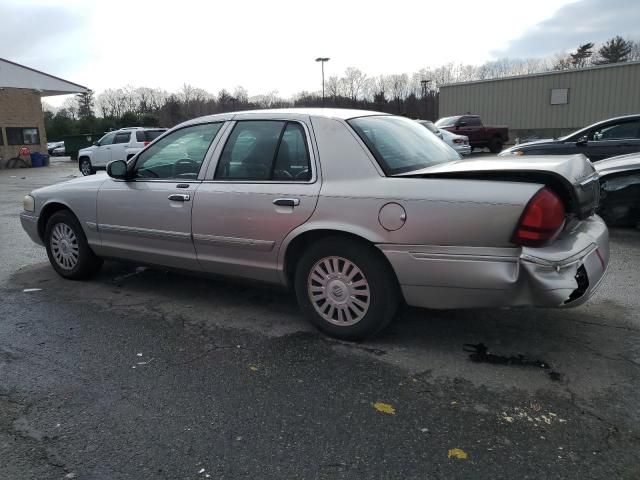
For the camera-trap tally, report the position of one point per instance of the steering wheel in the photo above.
(282, 173)
(185, 162)
(302, 173)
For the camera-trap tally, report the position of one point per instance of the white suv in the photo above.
(117, 145)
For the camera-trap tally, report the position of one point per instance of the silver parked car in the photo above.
(355, 210)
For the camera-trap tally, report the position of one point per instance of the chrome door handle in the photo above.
(287, 202)
(179, 197)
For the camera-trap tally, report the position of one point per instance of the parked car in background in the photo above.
(459, 143)
(117, 145)
(609, 138)
(355, 210)
(51, 146)
(620, 190)
(429, 125)
(480, 136)
(59, 151)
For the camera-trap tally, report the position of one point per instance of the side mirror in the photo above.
(117, 169)
(582, 140)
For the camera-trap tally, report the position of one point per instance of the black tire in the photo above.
(87, 264)
(495, 145)
(85, 167)
(383, 292)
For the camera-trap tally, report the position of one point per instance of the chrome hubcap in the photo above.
(339, 291)
(64, 246)
(86, 169)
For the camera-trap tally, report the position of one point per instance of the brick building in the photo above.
(21, 118)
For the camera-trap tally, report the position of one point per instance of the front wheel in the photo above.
(67, 247)
(346, 289)
(85, 167)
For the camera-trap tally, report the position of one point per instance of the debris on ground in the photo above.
(384, 408)
(458, 453)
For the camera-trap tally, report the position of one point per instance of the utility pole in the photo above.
(424, 84)
(322, 60)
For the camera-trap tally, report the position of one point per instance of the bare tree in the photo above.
(354, 81)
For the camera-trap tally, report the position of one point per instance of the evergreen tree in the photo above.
(614, 50)
(583, 54)
(85, 104)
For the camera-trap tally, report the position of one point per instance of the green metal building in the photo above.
(547, 104)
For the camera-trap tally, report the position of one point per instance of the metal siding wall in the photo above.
(524, 103)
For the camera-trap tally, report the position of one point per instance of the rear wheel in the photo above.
(346, 289)
(67, 247)
(495, 145)
(85, 167)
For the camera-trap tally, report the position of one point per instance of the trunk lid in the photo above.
(573, 177)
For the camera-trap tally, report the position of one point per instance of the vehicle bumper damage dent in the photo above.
(30, 225)
(565, 273)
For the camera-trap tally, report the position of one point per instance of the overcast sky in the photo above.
(271, 45)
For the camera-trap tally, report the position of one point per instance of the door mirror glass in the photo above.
(117, 169)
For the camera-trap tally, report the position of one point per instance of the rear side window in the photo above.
(122, 137)
(148, 135)
(472, 121)
(401, 145)
(265, 150)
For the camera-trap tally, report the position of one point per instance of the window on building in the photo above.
(559, 96)
(22, 136)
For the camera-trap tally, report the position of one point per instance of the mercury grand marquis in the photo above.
(355, 211)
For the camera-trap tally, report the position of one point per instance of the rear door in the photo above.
(263, 184)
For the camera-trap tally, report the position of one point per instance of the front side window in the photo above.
(401, 145)
(122, 137)
(23, 136)
(617, 131)
(179, 155)
(260, 150)
(107, 139)
(471, 121)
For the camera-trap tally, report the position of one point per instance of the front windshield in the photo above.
(447, 122)
(401, 145)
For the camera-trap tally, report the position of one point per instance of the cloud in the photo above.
(574, 24)
(48, 38)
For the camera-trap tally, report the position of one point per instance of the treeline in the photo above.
(414, 95)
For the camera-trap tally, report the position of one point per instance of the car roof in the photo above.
(338, 113)
(140, 128)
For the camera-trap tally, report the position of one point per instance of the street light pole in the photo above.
(322, 60)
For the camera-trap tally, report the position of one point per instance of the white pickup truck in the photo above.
(117, 145)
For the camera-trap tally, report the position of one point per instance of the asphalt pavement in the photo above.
(145, 374)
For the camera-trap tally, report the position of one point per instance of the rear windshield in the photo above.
(447, 122)
(401, 145)
(148, 135)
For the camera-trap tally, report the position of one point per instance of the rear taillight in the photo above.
(541, 221)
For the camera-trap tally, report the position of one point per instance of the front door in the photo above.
(102, 153)
(148, 218)
(120, 144)
(264, 185)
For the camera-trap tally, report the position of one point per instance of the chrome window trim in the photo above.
(313, 158)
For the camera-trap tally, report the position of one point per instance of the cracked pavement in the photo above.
(143, 373)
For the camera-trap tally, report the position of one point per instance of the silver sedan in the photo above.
(356, 211)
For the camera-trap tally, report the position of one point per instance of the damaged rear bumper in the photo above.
(564, 274)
